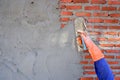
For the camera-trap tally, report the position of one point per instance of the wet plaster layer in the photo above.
(32, 45)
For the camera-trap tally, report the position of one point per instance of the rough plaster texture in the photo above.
(32, 45)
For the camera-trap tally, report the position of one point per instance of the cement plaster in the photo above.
(32, 45)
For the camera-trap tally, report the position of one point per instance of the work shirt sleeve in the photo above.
(103, 70)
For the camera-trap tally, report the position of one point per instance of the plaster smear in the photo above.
(32, 45)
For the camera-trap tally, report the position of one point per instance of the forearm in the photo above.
(94, 51)
(102, 68)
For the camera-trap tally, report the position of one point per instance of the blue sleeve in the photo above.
(103, 70)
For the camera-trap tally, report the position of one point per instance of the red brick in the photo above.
(62, 6)
(111, 21)
(95, 20)
(73, 7)
(87, 78)
(109, 56)
(92, 7)
(98, 1)
(111, 33)
(117, 73)
(100, 14)
(96, 27)
(102, 50)
(83, 62)
(96, 79)
(89, 72)
(113, 39)
(119, 33)
(113, 62)
(109, 8)
(118, 57)
(80, 1)
(100, 27)
(107, 45)
(101, 39)
(66, 1)
(117, 78)
(66, 13)
(114, 27)
(64, 19)
(91, 62)
(114, 2)
(95, 33)
(117, 45)
(83, 14)
(115, 15)
(88, 67)
(119, 9)
(112, 51)
(115, 67)
(87, 57)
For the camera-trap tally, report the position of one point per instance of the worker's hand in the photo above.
(86, 38)
(83, 34)
(92, 48)
(79, 40)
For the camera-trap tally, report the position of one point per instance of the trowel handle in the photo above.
(83, 43)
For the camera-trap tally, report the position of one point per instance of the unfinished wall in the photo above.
(32, 44)
(103, 22)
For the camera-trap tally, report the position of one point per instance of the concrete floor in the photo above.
(32, 45)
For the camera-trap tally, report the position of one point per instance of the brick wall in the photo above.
(103, 22)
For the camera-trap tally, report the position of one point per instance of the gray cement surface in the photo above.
(32, 45)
